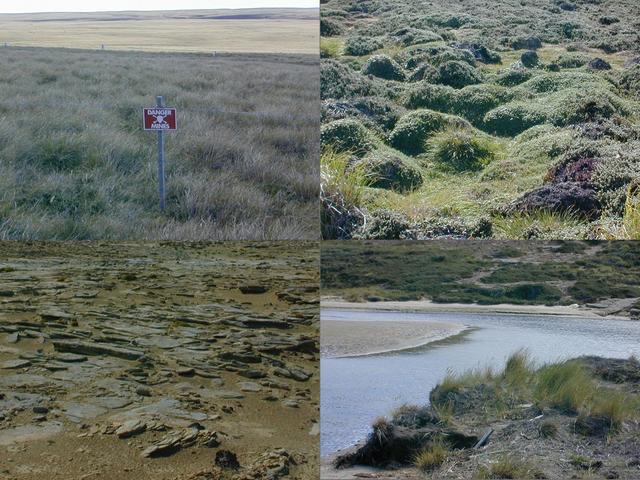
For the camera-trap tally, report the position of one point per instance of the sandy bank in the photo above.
(428, 306)
(340, 338)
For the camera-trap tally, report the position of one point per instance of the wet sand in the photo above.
(428, 306)
(340, 338)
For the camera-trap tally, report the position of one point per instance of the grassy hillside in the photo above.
(486, 272)
(285, 30)
(504, 119)
(75, 163)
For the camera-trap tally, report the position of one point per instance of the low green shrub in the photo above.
(458, 74)
(513, 77)
(413, 129)
(330, 27)
(530, 59)
(383, 66)
(473, 102)
(339, 81)
(358, 46)
(386, 225)
(389, 171)
(412, 36)
(434, 97)
(461, 150)
(572, 60)
(347, 135)
(630, 81)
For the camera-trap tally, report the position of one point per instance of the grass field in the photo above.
(75, 163)
(251, 30)
(503, 119)
(484, 272)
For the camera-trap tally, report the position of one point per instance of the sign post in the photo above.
(160, 119)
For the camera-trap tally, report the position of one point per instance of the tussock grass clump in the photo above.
(432, 457)
(461, 150)
(330, 47)
(341, 190)
(413, 129)
(359, 45)
(508, 467)
(458, 74)
(383, 66)
(347, 135)
(389, 171)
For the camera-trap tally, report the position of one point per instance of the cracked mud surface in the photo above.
(159, 360)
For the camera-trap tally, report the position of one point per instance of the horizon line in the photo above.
(161, 10)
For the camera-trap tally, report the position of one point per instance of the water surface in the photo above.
(357, 390)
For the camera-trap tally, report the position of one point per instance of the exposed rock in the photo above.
(13, 364)
(253, 289)
(88, 348)
(131, 428)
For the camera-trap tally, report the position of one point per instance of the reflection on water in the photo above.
(357, 390)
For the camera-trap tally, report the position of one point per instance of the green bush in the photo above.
(411, 36)
(458, 74)
(572, 60)
(413, 129)
(359, 46)
(433, 97)
(339, 81)
(461, 151)
(346, 136)
(383, 66)
(426, 72)
(513, 118)
(514, 76)
(474, 101)
(530, 59)
(630, 81)
(618, 169)
(330, 27)
(386, 225)
(453, 55)
(391, 172)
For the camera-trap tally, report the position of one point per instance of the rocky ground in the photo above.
(163, 360)
(526, 441)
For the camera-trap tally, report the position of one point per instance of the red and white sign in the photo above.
(160, 118)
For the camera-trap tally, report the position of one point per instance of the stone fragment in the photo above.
(131, 428)
(89, 348)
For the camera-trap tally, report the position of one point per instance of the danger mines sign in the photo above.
(160, 118)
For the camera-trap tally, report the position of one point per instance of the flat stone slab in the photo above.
(11, 364)
(249, 387)
(91, 348)
(29, 433)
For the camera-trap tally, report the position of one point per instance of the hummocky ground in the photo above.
(503, 119)
(159, 360)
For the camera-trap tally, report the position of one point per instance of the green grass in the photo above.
(431, 457)
(507, 467)
(442, 271)
(524, 118)
(566, 387)
(76, 165)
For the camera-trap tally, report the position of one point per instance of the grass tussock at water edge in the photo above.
(77, 165)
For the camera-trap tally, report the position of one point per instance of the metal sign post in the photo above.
(160, 118)
(161, 189)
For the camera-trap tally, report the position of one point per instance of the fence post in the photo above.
(161, 189)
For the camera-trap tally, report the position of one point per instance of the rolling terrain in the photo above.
(246, 30)
(505, 119)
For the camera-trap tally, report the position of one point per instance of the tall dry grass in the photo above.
(75, 163)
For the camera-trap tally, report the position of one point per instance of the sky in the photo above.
(28, 6)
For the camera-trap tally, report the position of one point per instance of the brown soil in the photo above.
(98, 336)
